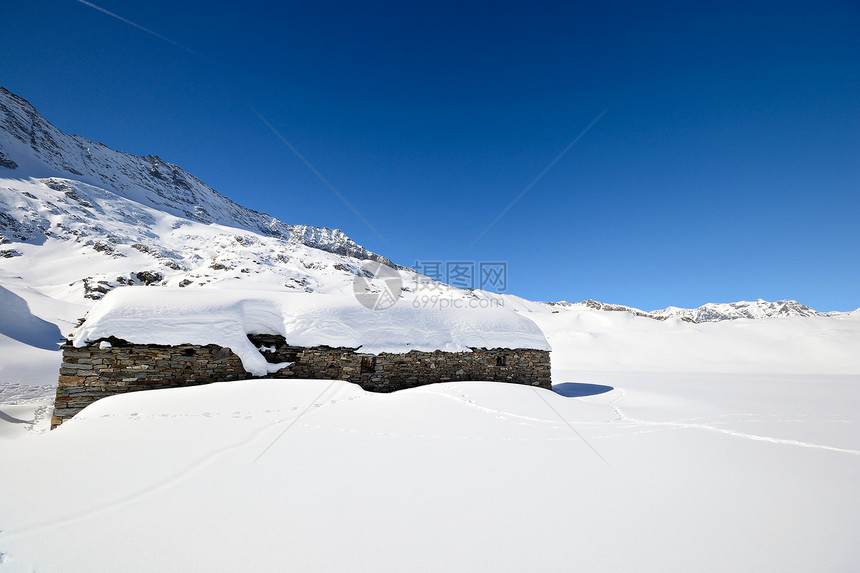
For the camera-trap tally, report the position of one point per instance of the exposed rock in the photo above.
(95, 290)
(149, 277)
(6, 162)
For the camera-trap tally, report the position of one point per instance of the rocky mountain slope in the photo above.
(31, 146)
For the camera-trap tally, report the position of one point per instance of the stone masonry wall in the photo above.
(91, 372)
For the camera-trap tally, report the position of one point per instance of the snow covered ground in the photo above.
(666, 446)
(686, 473)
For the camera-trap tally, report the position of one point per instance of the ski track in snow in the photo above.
(464, 398)
(682, 425)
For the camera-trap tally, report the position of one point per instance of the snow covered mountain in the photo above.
(711, 312)
(31, 147)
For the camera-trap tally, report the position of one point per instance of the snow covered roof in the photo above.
(172, 316)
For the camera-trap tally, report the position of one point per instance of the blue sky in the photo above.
(726, 165)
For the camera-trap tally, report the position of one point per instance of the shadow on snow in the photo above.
(12, 420)
(579, 389)
(17, 322)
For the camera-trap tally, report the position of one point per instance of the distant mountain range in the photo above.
(78, 219)
(712, 312)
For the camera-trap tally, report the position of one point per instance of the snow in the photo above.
(72, 245)
(701, 472)
(224, 317)
(19, 323)
(28, 382)
(29, 362)
(742, 453)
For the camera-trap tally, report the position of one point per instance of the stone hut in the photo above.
(145, 339)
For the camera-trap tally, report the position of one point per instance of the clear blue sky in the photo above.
(726, 165)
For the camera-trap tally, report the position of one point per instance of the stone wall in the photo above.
(92, 372)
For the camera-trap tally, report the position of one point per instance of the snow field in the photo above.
(321, 476)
